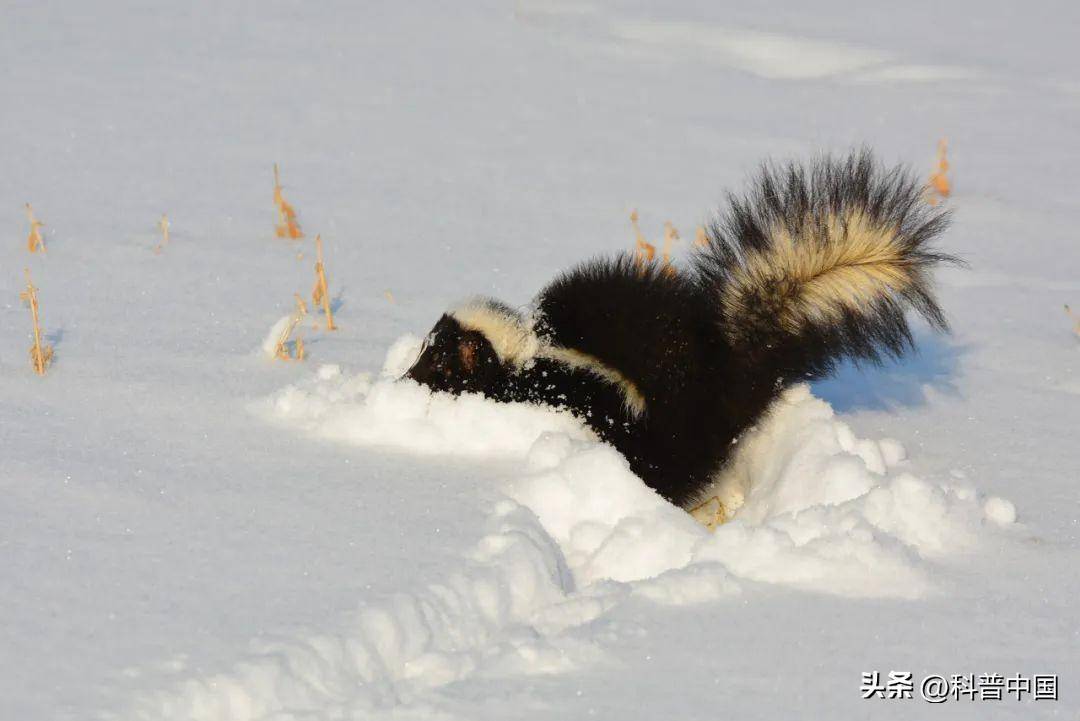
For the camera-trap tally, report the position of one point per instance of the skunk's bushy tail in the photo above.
(821, 262)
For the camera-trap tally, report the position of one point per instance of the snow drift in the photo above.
(382, 412)
(575, 536)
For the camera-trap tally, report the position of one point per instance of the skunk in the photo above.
(813, 265)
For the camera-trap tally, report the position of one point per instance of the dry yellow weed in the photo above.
(287, 226)
(320, 294)
(644, 252)
(34, 241)
(282, 350)
(163, 226)
(670, 237)
(1075, 319)
(939, 186)
(40, 355)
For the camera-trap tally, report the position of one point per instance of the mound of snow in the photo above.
(577, 535)
(269, 343)
(403, 414)
(822, 510)
(815, 506)
(1000, 510)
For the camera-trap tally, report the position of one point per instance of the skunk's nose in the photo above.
(418, 373)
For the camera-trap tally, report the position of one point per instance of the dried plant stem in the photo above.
(320, 294)
(644, 252)
(281, 350)
(287, 225)
(939, 186)
(34, 241)
(1075, 319)
(671, 236)
(163, 225)
(40, 355)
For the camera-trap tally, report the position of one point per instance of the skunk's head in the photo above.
(474, 349)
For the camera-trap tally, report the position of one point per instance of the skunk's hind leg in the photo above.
(710, 513)
(719, 501)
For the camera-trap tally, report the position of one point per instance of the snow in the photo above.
(403, 414)
(269, 345)
(576, 537)
(814, 506)
(1000, 510)
(193, 530)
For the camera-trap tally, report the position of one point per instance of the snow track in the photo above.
(576, 536)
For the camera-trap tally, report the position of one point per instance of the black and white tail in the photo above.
(821, 262)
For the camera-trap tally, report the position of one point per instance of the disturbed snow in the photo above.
(576, 535)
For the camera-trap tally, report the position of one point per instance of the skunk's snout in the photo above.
(420, 370)
(418, 374)
(456, 360)
(431, 370)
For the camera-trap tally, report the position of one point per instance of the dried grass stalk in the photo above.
(287, 226)
(163, 226)
(939, 187)
(320, 294)
(644, 252)
(34, 241)
(283, 351)
(40, 355)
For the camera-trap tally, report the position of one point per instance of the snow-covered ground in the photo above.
(190, 530)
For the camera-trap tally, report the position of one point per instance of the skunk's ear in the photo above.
(469, 350)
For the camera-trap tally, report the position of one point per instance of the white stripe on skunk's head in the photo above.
(478, 346)
(508, 331)
(460, 357)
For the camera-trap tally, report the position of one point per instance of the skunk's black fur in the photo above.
(812, 266)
